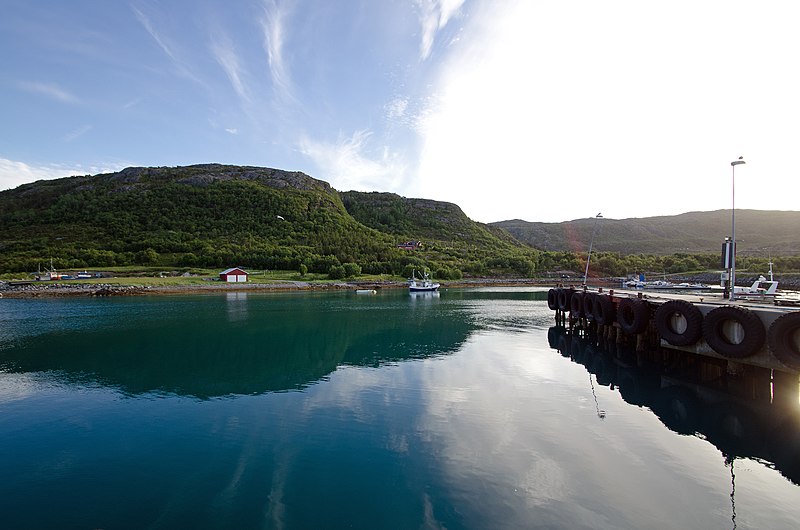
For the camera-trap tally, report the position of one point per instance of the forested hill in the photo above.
(218, 216)
(757, 232)
(425, 218)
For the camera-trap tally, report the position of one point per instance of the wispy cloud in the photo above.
(132, 103)
(145, 21)
(232, 131)
(347, 167)
(165, 45)
(50, 90)
(225, 54)
(273, 26)
(77, 133)
(396, 108)
(434, 15)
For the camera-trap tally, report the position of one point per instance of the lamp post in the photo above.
(733, 225)
(591, 243)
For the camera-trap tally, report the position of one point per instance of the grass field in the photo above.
(161, 277)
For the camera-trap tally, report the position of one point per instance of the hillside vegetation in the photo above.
(218, 216)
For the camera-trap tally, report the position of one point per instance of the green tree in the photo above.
(351, 270)
(147, 256)
(336, 272)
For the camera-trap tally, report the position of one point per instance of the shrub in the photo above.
(336, 272)
(351, 270)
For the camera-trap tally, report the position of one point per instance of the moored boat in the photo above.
(423, 284)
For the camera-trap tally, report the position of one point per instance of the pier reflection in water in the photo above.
(337, 410)
(754, 414)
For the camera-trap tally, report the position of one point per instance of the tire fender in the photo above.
(552, 299)
(588, 306)
(783, 337)
(633, 315)
(690, 313)
(713, 331)
(576, 304)
(603, 310)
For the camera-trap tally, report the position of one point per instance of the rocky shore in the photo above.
(64, 289)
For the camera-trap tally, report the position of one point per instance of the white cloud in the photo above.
(14, 173)
(346, 166)
(50, 90)
(546, 111)
(232, 131)
(434, 15)
(396, 108)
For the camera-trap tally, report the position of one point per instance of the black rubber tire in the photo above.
(689, 312)
(576, 305)
(633, 315)
(564, 296)
(781, 339)
(603, 310)
(588, 306)
(552, 299)
(552, 337)
(754, 333)
(577, 350)
(564, 343)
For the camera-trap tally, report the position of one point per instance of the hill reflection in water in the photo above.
(238, 343)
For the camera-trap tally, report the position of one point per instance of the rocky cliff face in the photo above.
(205, 174)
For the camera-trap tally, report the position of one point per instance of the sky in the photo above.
(513, 109)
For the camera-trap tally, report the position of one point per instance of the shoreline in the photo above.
(56, 290)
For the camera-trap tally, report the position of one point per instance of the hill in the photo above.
(422, 218)
(757, 231)
(220, 215)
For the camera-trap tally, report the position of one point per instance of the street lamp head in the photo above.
(737, 162)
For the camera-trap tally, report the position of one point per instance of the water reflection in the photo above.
(754, 414)
(231, 344)
(236, 303)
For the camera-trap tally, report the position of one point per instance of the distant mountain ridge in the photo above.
(757, 231)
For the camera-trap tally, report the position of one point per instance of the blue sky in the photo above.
(543, 111)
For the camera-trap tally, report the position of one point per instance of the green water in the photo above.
(339, 410)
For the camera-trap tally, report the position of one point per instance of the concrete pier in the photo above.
(744, 332)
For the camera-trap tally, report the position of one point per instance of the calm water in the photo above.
(349, 411)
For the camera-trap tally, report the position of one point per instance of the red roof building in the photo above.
(234, 275)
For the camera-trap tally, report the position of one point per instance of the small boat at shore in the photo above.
(421, 285)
